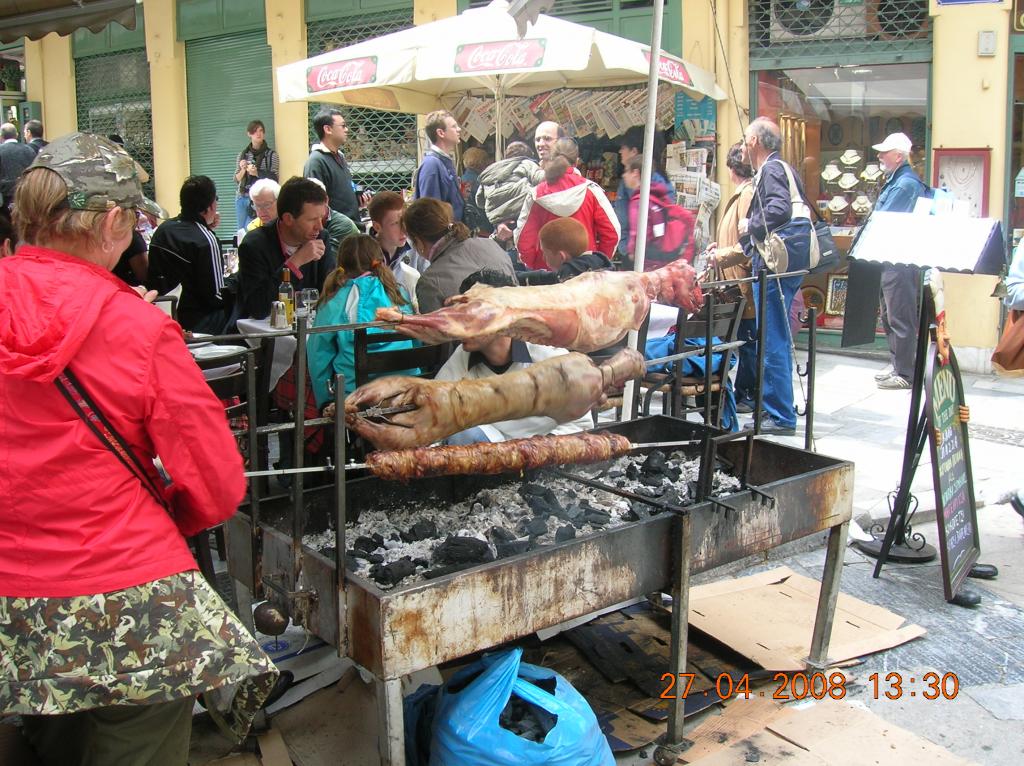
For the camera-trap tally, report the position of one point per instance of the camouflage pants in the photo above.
(162, 641)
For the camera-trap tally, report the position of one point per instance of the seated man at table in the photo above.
(185, 251)
(564, 243)
(494, 355)
(296, 241)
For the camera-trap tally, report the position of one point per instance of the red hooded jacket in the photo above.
(73, 520)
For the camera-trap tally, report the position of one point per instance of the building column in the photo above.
(964, 83)
(425, 11)
(50, 80)
(169, 101)
(286, 36)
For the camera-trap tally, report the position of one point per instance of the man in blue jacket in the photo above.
(436, 176)
(772, 207)
(900, 284)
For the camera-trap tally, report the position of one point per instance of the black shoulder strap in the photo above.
(86, 409)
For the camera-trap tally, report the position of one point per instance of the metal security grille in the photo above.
(830, 29)
(381, 146)
(113, 96)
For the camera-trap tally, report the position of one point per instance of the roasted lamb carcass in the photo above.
(562, 388)
(586, 313)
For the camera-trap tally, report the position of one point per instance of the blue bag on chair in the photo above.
(467, 732)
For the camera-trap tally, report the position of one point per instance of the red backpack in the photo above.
(669, 229)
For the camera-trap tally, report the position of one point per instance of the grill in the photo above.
(789, 493)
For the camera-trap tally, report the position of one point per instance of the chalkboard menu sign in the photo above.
(956, 514)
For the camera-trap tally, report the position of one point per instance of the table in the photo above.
(284, 346)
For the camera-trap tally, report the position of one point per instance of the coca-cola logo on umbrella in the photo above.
(509, 54)
(341, 74)
(671, 70)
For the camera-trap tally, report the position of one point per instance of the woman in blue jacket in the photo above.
(360, 285)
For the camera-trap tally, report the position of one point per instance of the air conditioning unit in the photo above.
(817, 20)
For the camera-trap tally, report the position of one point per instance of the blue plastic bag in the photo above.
(466, 729)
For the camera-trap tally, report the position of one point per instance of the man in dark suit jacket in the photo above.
(772, 207)
(34, 135)
(14, 158)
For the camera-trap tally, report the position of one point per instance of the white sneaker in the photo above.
(886, 373)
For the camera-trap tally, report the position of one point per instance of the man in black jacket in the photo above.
(14, 158)
(296, 241)
(771, 208)
(185, 251)
(34, 135)
(328, 164)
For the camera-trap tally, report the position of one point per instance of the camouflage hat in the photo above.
(99, 174)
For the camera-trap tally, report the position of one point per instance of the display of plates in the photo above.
(207, 352)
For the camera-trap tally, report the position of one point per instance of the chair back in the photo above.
(371, 363)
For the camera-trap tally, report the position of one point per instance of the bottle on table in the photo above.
(286, 294)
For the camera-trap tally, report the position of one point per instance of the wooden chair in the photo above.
(675, 388)
(615, 399)
(371, 363)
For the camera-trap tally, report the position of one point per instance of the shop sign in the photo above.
(671, 70)
(966, 2)
(509, 54)
(341, 74)
(1018, 184)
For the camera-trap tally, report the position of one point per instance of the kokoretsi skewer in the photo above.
(499, 457)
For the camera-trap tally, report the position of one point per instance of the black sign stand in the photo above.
(901, 543)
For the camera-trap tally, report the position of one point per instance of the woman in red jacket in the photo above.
(109, 631)
(564, 193)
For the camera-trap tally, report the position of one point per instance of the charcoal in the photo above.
(654, 480)
(539, 505)
(373, 558)
(637, 511)
(421, 563)
(597, 517)
(526, 720)
(462, 551)
(652, 492)
(621, 483)
(394, 536)
(568, 532)
(421, 530)
(655, 464)
(500, 535)
(393, 573)
(616, 473)
(572, 512)
(513, 547)
(367, 544)
(485, 498)
(632, 471)
(535, 527)
(351, 562)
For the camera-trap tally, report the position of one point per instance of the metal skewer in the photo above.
(695, 351)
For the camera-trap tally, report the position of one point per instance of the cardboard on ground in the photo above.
(769, 618)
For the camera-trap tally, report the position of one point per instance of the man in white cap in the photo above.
(900, 284)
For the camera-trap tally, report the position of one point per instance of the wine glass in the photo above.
(309, 297)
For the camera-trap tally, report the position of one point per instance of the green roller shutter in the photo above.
(229, 83)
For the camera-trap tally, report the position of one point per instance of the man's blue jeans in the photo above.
(242, 211)
(777, 383)
(746, 372)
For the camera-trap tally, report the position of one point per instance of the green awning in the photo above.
(37, 18)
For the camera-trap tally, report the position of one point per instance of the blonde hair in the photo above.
(42, 216)
(358, 254)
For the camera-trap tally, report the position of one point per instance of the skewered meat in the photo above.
(586, 313)
(499, 457)
(562, 388)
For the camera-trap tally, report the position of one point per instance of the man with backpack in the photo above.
(778, 225)
(436, 176)
(900, 283)
(669, 226)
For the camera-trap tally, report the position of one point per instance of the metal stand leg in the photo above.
(828, 596)
(674, 744)
(243, 597)
(391, 737)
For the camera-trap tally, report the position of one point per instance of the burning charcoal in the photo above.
(673, 472)
(485, 498)
(653, 480)
(500, 535)
(572, 512)
(598, 518)
(621, 483)
(567, 532)
(651, 492)
(462, 551)
(366, 544)
(421, 530)
(655, 464)
(393, 573)
(513, 547)
(373, 558)
(632, 471)
(616, 473)
(394, 536)
(535, 527)
(421, 563)
(539, 505)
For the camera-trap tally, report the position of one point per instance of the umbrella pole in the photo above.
(633, 340)
(499, 99)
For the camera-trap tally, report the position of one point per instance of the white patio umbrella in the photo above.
(479, 52)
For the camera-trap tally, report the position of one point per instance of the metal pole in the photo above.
(340, 514)
(812, 348)
(709, 307)
(828, 596)
(633, 340)
(762, 334)
(298, 453)
(672, 746)
(254, 465)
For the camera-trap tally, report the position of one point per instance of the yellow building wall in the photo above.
(169, 101)
(425, 11)
(50, 80)
(969, 92)
(286, 36)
